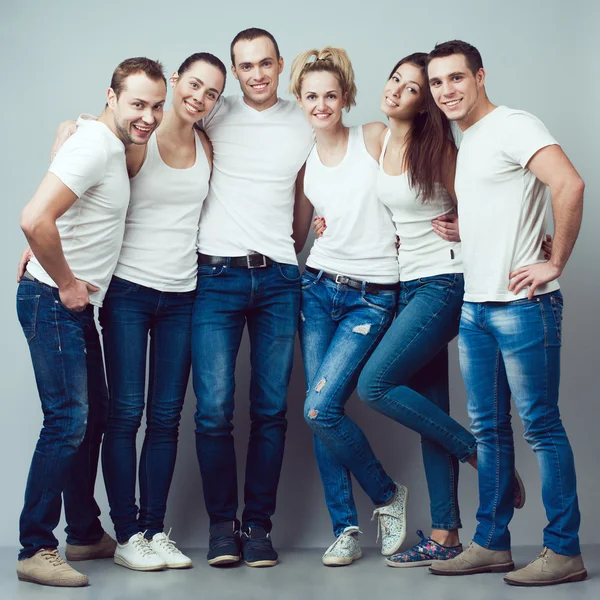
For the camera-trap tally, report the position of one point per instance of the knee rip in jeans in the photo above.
(313, 414)
(362, 329)
(320, 385)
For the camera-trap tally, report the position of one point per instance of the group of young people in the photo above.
(183, 226)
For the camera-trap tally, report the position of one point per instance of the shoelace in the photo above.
(382, 527)
(141, 544)
(53, 557)
(345, 539)
(168, 545)
(263, 543)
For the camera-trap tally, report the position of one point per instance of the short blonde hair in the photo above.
(330, 60)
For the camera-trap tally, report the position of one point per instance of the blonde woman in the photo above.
(349, 291)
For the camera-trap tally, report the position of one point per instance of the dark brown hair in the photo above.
(151, 68)
(206, 57)
(248, 35)
(430, 143)
(470, 53)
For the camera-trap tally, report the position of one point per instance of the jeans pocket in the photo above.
(210, 270)
(556, 302)
(121, 286)
(289, 273)
(384, 300)
(27, 309)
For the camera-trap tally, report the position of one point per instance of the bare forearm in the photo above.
(567, 207)
(44, 239)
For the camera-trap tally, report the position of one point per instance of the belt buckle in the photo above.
(251, 266)
(341, 279)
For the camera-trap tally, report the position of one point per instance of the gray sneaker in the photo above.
(549, 568)
(345, 550)
(391, 522)
(475, 559)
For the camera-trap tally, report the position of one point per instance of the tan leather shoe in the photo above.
(105, 548)
(549, 568)
(46, 567)
(475, 559)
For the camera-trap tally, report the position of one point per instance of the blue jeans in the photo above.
(267, 300)
(406, 379)
(67, 361)
(339, 328)
(130, 313)
(513, 348)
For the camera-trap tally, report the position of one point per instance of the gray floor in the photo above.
(299, 576)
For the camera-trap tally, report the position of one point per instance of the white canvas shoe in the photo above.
(165, 547)
(391, 522)
(345, 550)
(137, 555)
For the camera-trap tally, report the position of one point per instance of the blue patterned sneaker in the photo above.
(391, 522)
(423, 553)
(345, 550)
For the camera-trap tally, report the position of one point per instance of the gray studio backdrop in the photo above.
(57, 58)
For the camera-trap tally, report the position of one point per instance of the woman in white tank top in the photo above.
(348, 297)
(152, 294)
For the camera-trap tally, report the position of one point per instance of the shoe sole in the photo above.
(578, 576)
(398, 545)
(123, 563)
(501, 568)
(225, 559)
(521, 489)
(341, 562)
(28, 579)
(261, 563)
(183, 566)
(421, 563)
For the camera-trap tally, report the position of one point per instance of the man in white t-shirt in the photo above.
(247, 275)
(510, 330)
(74, 225)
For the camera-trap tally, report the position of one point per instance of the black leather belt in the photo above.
(251, 261)
(370, 288)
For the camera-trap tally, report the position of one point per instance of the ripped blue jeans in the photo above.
(339, 328)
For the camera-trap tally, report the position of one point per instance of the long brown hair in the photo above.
(430, 142)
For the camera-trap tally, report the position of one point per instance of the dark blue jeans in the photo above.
(67, 361)
(267, 300)
(339, 328)
(130, 313)
(406, 379)
(513, 348)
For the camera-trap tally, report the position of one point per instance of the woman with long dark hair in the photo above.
(406, 377)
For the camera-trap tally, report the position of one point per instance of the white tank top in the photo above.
(360, 240)
(422, 252)
(159, 247)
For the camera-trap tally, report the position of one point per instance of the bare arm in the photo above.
(446, 226)
(38, 222)
(303, 212)
(373, 134)
(552, 167)
(208, 149)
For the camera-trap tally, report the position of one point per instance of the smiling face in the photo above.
(196, 90)
(257, 68)
(322, 99)
(458, 92)
(404, 94)
(138, 110)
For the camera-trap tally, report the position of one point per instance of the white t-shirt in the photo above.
(257, 156)
(360, 241)
(422, 252)
(159, 246)
(502, 205)
(91, 163)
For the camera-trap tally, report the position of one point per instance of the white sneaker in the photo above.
(137, 555)
(391, 522)
(165, 547)
(345, 550)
